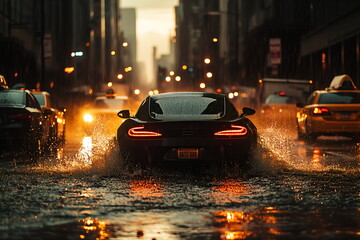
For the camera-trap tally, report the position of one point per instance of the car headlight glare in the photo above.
(88, 118)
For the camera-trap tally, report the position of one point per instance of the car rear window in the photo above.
(189, 107)
(109, 103)
(40, 98)
(12, 99)
(340, 98)
(278, 99)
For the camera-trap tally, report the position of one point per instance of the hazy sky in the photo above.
(155, 22)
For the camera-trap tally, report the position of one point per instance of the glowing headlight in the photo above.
(88, 118)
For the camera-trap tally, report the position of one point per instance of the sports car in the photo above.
(186, 127)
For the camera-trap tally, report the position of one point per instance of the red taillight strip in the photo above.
(236, 131)
(20, 117)
(138, 132)
(321, 110)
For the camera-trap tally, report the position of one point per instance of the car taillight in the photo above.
(321, 111)
(139, 132)
(236, 130)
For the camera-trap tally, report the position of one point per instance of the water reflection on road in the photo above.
(294, 191)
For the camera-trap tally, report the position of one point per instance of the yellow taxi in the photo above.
(332, 111)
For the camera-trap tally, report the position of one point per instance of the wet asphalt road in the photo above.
(293, 191)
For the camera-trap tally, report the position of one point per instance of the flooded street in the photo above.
(293, 191)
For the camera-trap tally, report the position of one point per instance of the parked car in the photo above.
(101, 115)
(332, 111)
(194, 127)
(21, 122)
(56, 118)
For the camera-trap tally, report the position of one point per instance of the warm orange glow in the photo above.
(171, 73)
(320, 110)
(184, 67)
(125, 44)
(202, 85)
(112, 53)
(120, 76)
(207, 60)
(138, 132)
(235, 131)
(146, 189)
(260, 81)
(16, 74)
(209, 74)
(94, 227)
(215, 40)
(137, 91)
(69, 70)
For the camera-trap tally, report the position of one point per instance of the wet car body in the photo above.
(330, 112)
(56, 117)
(187, 127)
(101, 115)
(21, 122)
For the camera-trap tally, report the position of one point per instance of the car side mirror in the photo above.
(300, 105)
(48, 112)
(124, 114)
(247, 112)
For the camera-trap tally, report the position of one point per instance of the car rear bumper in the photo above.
(320, 125)
(185, 149)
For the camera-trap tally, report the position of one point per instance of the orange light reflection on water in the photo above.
(237, 224)
(228, 191)
(94, 226)
(146, 189)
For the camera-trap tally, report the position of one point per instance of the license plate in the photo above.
(188, 153)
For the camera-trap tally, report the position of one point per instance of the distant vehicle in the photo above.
(279, 106)
(333, 111)
(21, 122)
(276, 98)
(3, 83)
(101, 115)
(56, 117)
(186, 127)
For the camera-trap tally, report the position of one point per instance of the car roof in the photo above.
(335, 91)
(116, 97)
(178, 94)
(40, 92)
(14, 90)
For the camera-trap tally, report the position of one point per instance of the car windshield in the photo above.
(340, 98)
(40, 98)
(278, 99)
(112, 103)
(188, 107)
(12, 99)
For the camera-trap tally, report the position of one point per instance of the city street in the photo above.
(293, 191)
